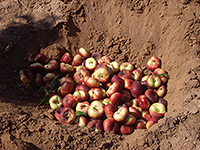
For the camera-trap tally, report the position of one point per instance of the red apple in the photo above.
(115, 87)
(157, 110)
(55, 102)
(66, 79)
(104, 59)
(143, 102)
(110, 125)
(67, 115)
(140, 124)
(106, 101)
(153, 81)
(48, 77)
(69, 101)
(161, 91)
(126, 66)
(39, 80)
(95, 124)
(84, 52)
(162, 101)
(90, 63)
(125, 129)
(66, 57)
(36, 67)
(153, 63)
(77, 60)
(125, 74)
(126, 100)
(80, 96)
(91, 82)
(41, 58)
(66, 68)
(26, 76)
(66, 88)
(82, 87)
(81, 121)
(57, 113)
(110, 68)
(137, 75)
(159, 72)
(145, 115)
(82, 107)
(151, 95)
(103, 92)
(133, 111)
(127, 93)
(80, 74)
(130, 120)
(96, 109)
(121, 114)
(128, 83)
(102, 74)
(51, 66)
(95, 94)
(116, 98)
(115, 78)
(109, 110)
(151, 122)
(115, 66)
(79, 67)
(136, 89)
(96, 55)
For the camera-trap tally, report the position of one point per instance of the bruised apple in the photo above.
(67, 115)
(110, 125)
(68, 101)
(26, 76)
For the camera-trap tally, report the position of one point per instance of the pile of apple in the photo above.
(94, 91)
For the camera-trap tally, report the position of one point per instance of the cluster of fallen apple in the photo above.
(94, 91)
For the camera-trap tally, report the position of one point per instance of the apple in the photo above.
(106, 101)
(145, 85)
(102, 74)
(48, 77)
(127, 93)
(68, 101)
(79, 67)
(66, 57)
(91, 82)
(77, 60)
(90, 63)
(153, 63)
(103, 92)
(137, 75)
(121, 114)
(67, 115)
(161, 91)
(80, 74)
(125, 129)
(95, 124)
(39, 80)
(126, 100)
(140, 124)
(144, 78)
(162, 101)
(96, 55)
(110, 68)
(115, 78)
(125, 74)
(116, 98)
(66, 68)
(130, 120)
(159, 72)
(66, 79)
(151, 95)
(55, 102)
(104, 59)
(82, 107)
(157, 110)
(115, 87)
(115, 66)
(126, 66)
(96, 109)
(82, 87)
(109, 110)
(136, 89)
(51, 66)
(81, 121)
(134, 102)
(95, 94)
(107, 85)
(66, 88)
(151, 122)
(84, 52)
(143, 102)
(133, 111)
(57, 113)
(153, 81)
(145, 115)
(111, 125)
(80, 96)
(36, 67)
(128, 83)
(41, 58)
(26, 76)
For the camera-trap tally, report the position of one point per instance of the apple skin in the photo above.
(104, 59)
(126, 66)
(57, 113)
(126, 100)
(80, 96)
(106, 101)
(130, 120)
(116, 98)
(55, 102)
(82, 106)
(121, 114)
(133, 111)
(115, 78)
(91, 82)
(153, 81)
(51, 66)
(136, 89)
(153, 63)
(38, 80)
(151, 122)
(143, 102)
(84, 52)
(111, 125)
(82, 87)
(66, 68)
(77, 68)
(67, 115)
(96, 125)
(48, 77)
(66, 88)
(26, 76)
(125, 129)
(157, 110)
(41, 58)
(81, 121)
(36, 67)
(109, 110)
(115, 66)
(145, 115)
(162, 101)
(95, 94)
(66, 79)
(128, 83)
(77, 60)
(96, 55)
(161, 91)
(95, 110)
(80, 74)
(68, 101)
(90, 63)
(125, 74)
(66, 57)
(127, 93)
(137, 75)
(140, 124)
(102, 74)
(161, 71)
(151, 95)
(115, 87)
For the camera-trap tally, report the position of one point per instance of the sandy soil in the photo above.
(126, 30)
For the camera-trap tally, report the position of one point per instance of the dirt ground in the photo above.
(125, 30)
